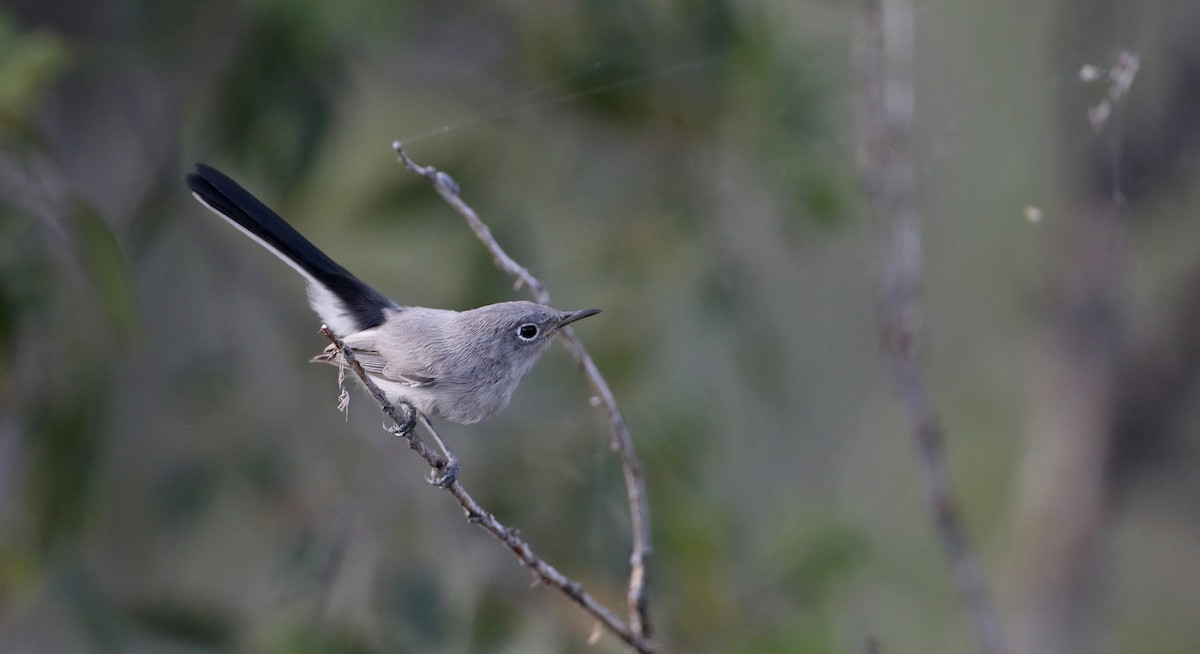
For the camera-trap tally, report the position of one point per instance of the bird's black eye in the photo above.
(527, 332)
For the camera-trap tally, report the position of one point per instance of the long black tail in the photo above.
(342, 300)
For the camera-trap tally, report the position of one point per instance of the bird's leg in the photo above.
(449, 465)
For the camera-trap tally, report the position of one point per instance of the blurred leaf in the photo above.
(349, 19)
(313, 638)
(815, 561)
(266, 468)
(414, 600)
(19, 569)
(800, 635)
(95, 611)
(693, 543)
(185, 622)
(783, 89)
(825, 197)
(66, 433)
(643, 64)
(24, 278)
(278, 103)
(799, 579)
(494, 622)
(105, 267)
(29, 64)
(184, 490)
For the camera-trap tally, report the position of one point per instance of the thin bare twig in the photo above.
(405, 418)
(884, 59)
(622, 441)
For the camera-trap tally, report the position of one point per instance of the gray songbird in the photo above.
(458, 365)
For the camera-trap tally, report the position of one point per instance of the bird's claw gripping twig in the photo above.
(446, 473)
(447, 467)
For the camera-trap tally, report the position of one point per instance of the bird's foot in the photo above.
(446, 472)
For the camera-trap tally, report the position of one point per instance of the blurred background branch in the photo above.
(1108, 407)
(886, 115)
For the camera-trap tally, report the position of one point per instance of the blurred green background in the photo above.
(175, 478)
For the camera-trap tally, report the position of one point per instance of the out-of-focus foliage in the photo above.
(174, 478)
(29, 62)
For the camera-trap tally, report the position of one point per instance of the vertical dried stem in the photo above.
(884, 59)
(622, 440)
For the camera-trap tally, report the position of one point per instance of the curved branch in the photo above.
(405, 419)
(622, 440)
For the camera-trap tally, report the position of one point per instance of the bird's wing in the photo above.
(422, 347)
(362, 344)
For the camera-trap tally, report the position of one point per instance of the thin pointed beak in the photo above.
(569, 317)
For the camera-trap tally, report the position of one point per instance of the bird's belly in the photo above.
(457, 403)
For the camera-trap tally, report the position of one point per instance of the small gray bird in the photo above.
(458, 365)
